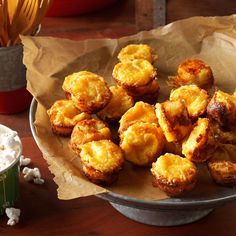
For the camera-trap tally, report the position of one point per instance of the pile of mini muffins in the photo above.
(170, 137)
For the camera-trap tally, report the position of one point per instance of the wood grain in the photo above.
(144, 14)
(42, 212)
(150, 14)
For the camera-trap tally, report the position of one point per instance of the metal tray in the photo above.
(169, 212)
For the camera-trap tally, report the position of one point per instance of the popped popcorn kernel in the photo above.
(24, 161)
(13, 214)
(38, 181)
(32, 175)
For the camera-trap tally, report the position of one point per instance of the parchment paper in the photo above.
(49, 60)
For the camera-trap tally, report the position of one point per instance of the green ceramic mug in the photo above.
(9, 179)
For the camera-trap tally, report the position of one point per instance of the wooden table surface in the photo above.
(42, 212)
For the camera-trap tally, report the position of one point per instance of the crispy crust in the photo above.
(86, 131)
(200, 145)
(224, 136)
(223, 172)
(173, 189)
(141, 111)
(63, 116)
(91, 107)
(117, 106)
(222, 108)
(64, 131)
(98, 177)
(131, 75)
(195, 99)
(173, 119)
(148, 93)
(136, 90)
(222, 165)
(89, 92)
(136, 51)
(142, 143)
(174, 175)
(195, 71)
(101, 161)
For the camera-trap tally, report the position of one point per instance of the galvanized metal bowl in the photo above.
(14, 97)
(9, 179)
(169, 212)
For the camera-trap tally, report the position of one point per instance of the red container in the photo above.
(76, 7)
(14, 101)
(13, 94)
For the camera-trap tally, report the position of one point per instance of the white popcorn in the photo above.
(28, 173)
(38, 181)
(37, 173)
(24, 161)
(10, 140)
(32, 175)
(13, 214)
(9, 148)
(6, 158)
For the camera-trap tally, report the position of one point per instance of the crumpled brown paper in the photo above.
(49, 60)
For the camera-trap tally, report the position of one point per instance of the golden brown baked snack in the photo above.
(173, 147)
(147, 93)
(141, 111)
(174, 120)
(200, 145)
(88, 91)
(101, 161)
(134, 74)
(195, 99)
(222, 167)
(174, 174)
(194, 71)
(136, 51)
(86, 131)
(222, 108)
(142, 143)
(224, 136)
(120, 102)
(63, 117)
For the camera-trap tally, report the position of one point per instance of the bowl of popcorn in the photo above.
(10, 152)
